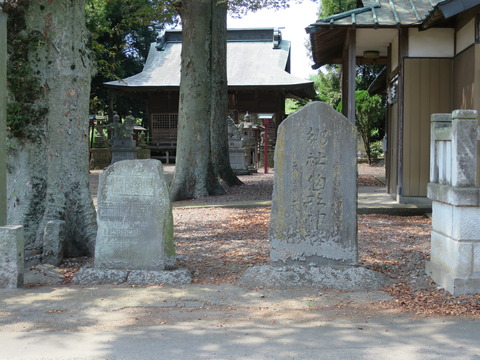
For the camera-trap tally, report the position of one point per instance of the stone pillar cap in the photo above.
(464, 114)
(441, 117)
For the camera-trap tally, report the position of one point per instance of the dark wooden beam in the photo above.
(361, 61)
(348, 76)
(402, 54)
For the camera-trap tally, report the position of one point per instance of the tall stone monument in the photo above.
(135, 227)
(454, 189)
(313, 217)
(313, 222)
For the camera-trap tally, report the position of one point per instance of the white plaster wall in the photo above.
(374, 39)
(465, 36)
(431, 43)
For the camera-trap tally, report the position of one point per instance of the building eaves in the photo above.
(328, 35)
(447, 9)
(254, 61)
(380, 13)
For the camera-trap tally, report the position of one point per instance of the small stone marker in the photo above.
(53, 242)
(11, 256)
(135, 223)
(313, 217)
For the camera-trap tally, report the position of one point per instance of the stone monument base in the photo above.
(454, 285)
(335, 277)
(95, 276)
(119, 154)
(101, 158)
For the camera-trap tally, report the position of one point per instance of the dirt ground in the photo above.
(218, 244)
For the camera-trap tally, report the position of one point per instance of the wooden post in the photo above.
(402, 53)
(266, 119)
(3, 117)
(348, 76)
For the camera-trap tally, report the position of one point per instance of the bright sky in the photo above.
(293, 20)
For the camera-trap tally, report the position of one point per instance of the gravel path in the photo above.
(218, 244)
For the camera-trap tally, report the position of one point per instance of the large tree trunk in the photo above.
(49, 177)
(194, 175)
(219, 127)
(3, 118)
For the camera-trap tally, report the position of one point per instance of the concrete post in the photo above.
(455, 250)
(3, 116)
(464, 148)
(11, 256)
(440, 147)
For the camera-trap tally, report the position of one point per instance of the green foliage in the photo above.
(370, 114)
(121, 34)
(24, 85)
(241, 7)
(292, 105)
(365, 74)
(376, 149)
(327, 85)
(331, 7)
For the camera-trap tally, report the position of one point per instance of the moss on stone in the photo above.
(24, 85)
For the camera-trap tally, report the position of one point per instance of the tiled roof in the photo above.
(446, 9)
(251, 62)
(381, 13)
(328, 35)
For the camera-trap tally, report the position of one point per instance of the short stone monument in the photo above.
(11, 256)
(313, 222)
(135, 225)
(454, 189)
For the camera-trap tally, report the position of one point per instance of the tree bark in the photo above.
(219, 86)
(194, 173)
(3, 118)
(49, 177)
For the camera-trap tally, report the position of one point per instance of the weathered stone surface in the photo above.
(313, 217)
(119, 154)
(336, 277)
(92, 276)
(101, 158)
(464, 148)
(123, 144)
(3, 117)
(11, 256)
(135, 223)
(53, 242)
(454, 190)
(172, 277)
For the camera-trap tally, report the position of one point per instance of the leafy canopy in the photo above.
(331, 7)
